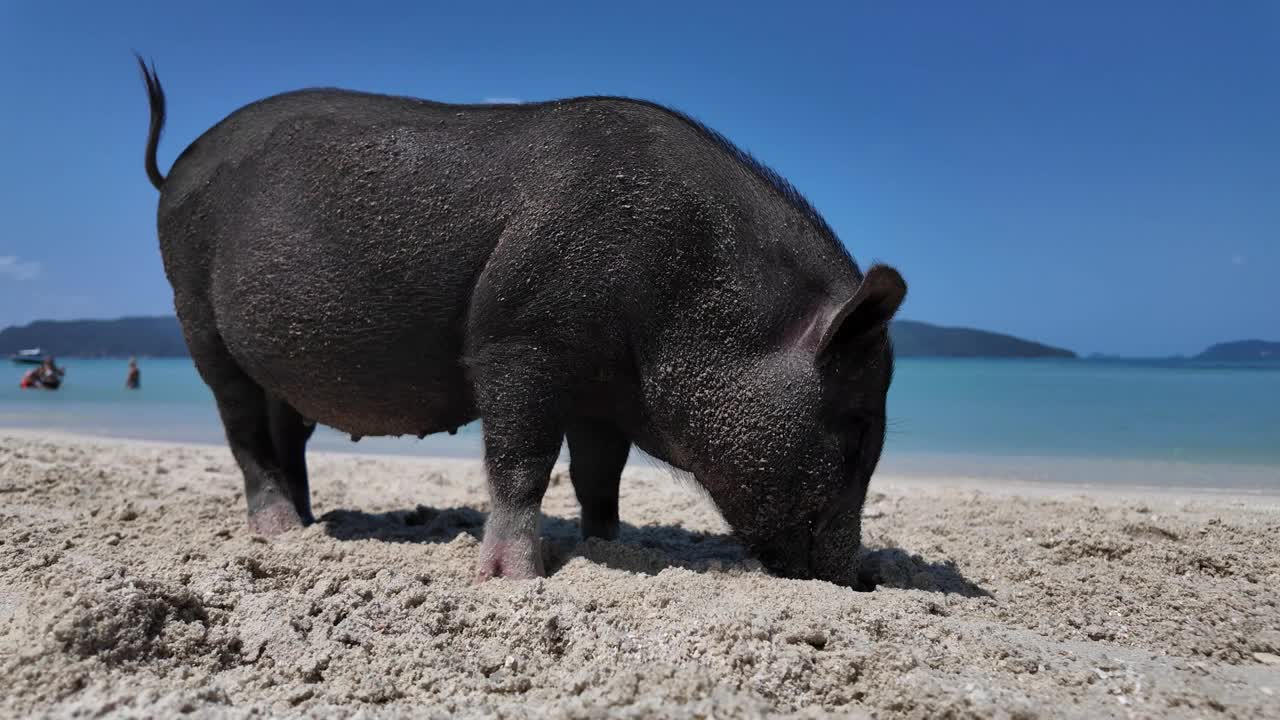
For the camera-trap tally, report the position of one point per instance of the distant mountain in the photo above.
(1242, 351)
(917, 339)
(161, 337)
(144, 336)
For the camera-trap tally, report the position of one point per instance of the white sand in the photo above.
(129, 588)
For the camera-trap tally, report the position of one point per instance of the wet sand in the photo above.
(130, 588)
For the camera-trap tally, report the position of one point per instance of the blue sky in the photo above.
(1104, 176)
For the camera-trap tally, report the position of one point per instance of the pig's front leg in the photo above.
(597, 454)
(519, 456)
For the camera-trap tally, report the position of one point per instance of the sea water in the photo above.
(1169, 422)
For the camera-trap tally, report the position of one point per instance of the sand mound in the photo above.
(129, 588)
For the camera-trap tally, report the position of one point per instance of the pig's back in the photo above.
(336, 239)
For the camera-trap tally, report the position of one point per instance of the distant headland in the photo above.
(918, 339)
(142, 336)
(162, 337)
(1242, 351)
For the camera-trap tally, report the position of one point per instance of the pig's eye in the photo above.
(850, 432)
(853, 420)
(853, 430)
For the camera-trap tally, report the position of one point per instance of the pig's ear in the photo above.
(867, 312)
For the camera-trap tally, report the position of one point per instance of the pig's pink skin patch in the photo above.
(510, 559)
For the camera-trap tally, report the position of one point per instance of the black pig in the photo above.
(601, 270)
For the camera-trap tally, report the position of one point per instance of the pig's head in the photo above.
(798, 504)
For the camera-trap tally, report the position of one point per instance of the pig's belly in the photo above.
(392, 380)
(410, 404)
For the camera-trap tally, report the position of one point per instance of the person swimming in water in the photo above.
(133, 380)
(51, 374)
(47, 376)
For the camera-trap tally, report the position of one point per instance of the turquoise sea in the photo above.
(1082, 421)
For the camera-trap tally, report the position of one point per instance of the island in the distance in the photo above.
(141, 336)
(918, 339)
(162, 337)
(1242, 351)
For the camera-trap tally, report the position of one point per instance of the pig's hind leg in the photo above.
(289, 435)
(275, 483)
(597, 453)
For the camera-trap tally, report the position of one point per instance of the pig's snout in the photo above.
(787, 553)
(826, 551)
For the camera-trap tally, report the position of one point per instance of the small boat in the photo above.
(33, 356)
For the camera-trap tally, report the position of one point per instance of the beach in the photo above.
(129, 587)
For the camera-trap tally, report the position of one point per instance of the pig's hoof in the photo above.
(275, 518)
(511, 559)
